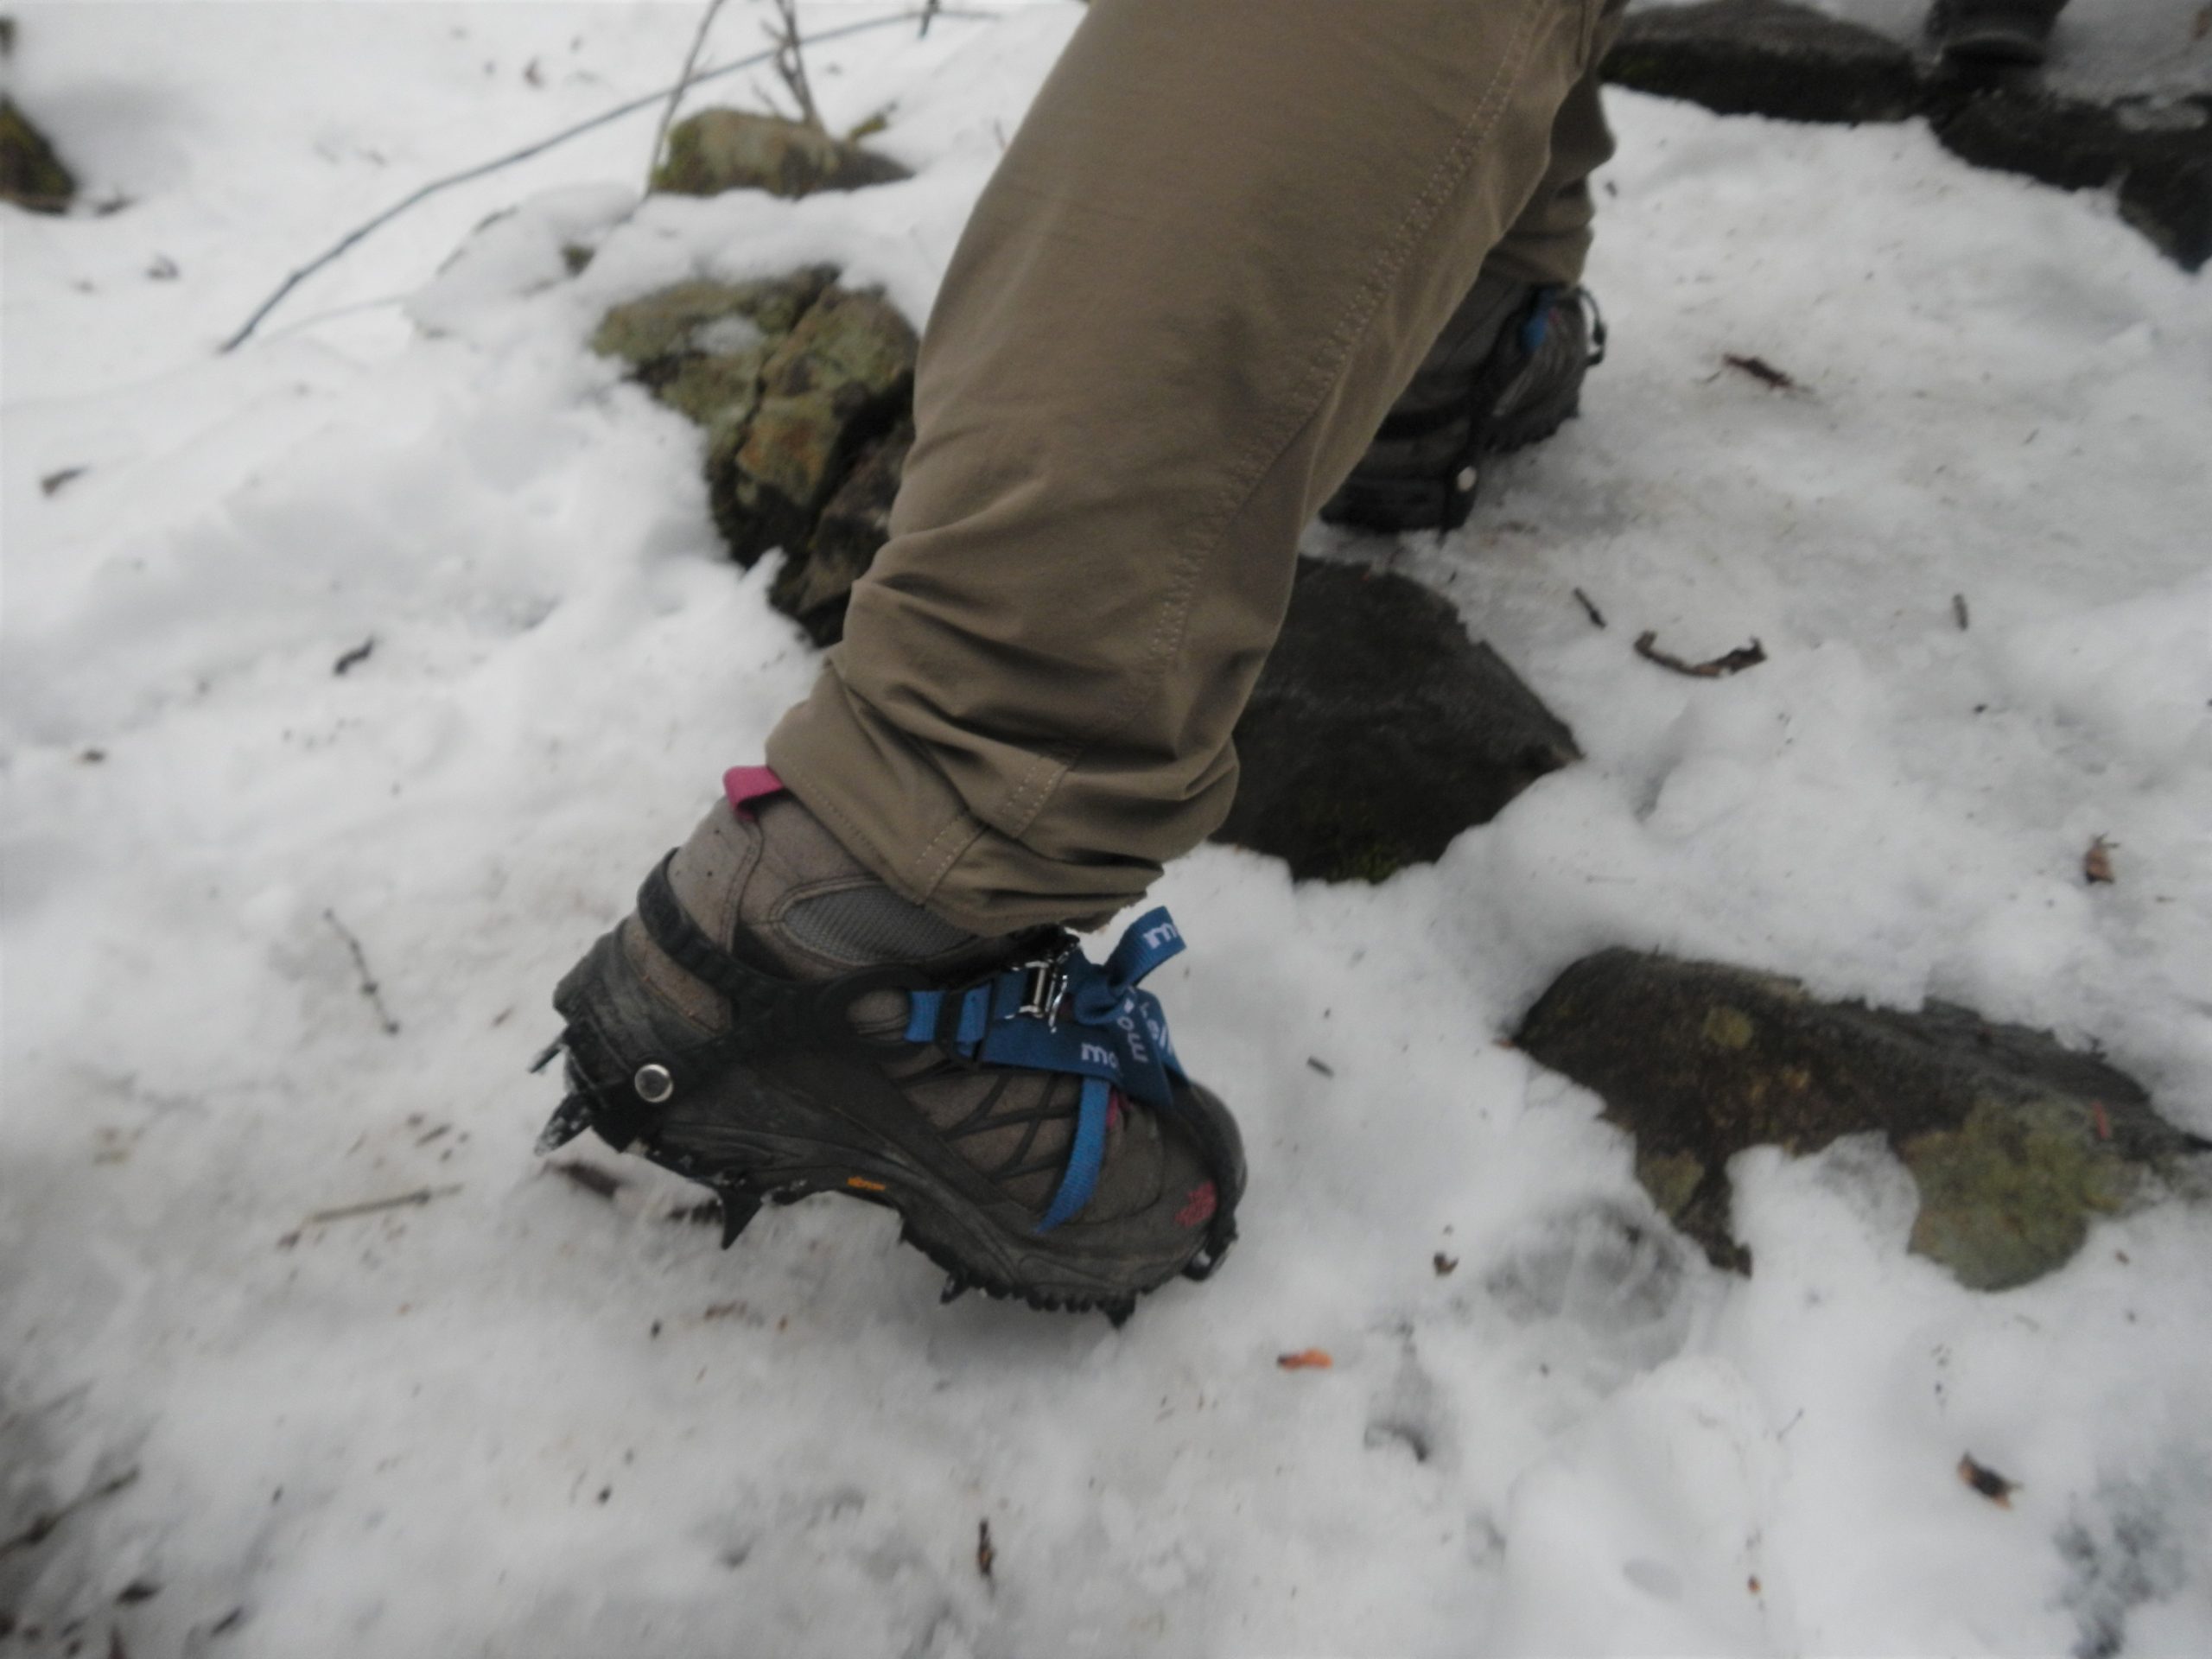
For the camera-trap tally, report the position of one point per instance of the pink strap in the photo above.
(744, 784)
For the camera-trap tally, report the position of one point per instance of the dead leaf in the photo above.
(1444, 1264)
(1306, 1359)
(985, 1554)
(2096, 863)
(1986, 1481)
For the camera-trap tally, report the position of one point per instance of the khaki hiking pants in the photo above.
(1217, 250)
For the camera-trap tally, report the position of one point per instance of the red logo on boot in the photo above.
(1198, 1207)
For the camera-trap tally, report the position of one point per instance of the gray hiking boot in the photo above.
(774, 1021)
(1507, 372)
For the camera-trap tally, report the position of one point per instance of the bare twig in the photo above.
(344, 244)
(419, 1196)
(1733, 662)
(1590, 608)
(1761, 371)
(1959, 611)
(985, 1554)
(791, 61)
(929, 16)
(42, 1526)
(353, 657)
(369, 988)
(676, 92)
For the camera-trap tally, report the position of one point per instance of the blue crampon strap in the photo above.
(1539, 322)
(1094, 1023)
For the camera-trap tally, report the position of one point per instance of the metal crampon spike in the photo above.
(1117, 1312)
(570, 1119)
(954, 1288)
(739, 1204)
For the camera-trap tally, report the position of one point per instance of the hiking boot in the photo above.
(1506, 371)
(1993, 33)
(774, 1021)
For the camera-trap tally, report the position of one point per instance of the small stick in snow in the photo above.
(42, 1526)
(419, 1196)
(1761, 371)
(354, 658)
(54, 481)
(1734, 661)
(369, 988)
(1314, 1063)
(985, 1554)
(1958, 610)
(1590, 609)
(602, 1183)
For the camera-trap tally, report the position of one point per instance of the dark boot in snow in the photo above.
(1506, 371)
(774, 1021)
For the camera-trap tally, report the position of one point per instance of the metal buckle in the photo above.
(1046, 986)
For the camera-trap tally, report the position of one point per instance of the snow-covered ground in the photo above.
(521, 1418)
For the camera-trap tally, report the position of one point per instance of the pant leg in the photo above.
(1549, 243)
(1214, 252)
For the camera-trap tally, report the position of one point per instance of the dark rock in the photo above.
(2014, 1143)
(2161, 158)
(1378, 731)
(31, 174)
(733, 150)
(2171, 202)
(1766, 57)
(852, 528)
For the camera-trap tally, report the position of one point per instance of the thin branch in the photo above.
(419, 1196)
(369, 987)
(468, 174)
(676, 92)
(791, 61)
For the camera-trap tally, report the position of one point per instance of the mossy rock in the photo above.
(734, 150)
(800, 384)
(2015, 1142)
(1378, 731)
(844, 376)
(31, 174)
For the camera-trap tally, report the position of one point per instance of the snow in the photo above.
(518, 1417)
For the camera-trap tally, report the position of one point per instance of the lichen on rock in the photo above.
(736, 149)
(797, 383)
(2014, 1143)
